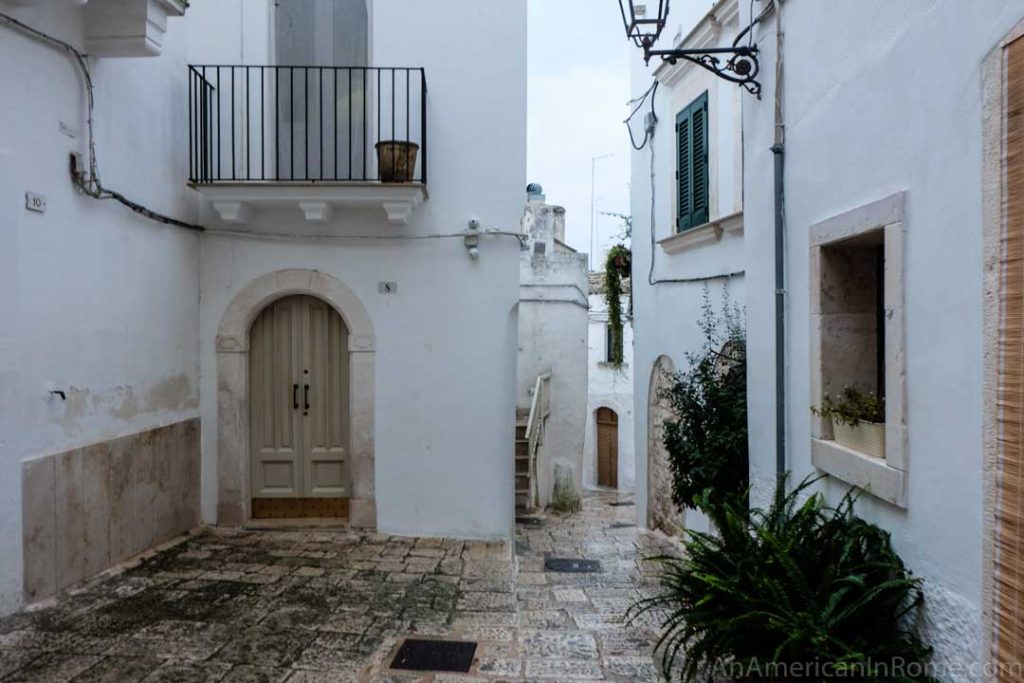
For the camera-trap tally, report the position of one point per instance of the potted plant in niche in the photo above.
(396, 160)
(858, 420)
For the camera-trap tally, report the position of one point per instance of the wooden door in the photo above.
(299, 410)
(325, 433)
(607, 448)
(275, 368)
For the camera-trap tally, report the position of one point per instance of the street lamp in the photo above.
(737, 64)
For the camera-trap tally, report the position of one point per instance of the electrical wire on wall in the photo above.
(88, 182)
(652, 92)
(650, 126)
(292, 237)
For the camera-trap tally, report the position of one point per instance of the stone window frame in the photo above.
(885, 479)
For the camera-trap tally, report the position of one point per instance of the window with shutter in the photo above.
(692, 165)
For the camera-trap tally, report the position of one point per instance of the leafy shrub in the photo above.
(706, 441)
(798, 591)
(855, 406)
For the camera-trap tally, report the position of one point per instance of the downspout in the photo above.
(778, 150)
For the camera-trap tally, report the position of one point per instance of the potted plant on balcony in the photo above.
(858, 420)
(396, 160)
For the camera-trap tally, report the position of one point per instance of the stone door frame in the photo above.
(661, 512)
(234, 497)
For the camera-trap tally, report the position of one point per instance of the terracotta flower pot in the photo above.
(867, 437)
(396, 160)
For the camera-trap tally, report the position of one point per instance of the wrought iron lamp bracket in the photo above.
(737, 64)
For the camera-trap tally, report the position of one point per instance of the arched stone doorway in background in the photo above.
(606, 421)
(661, 511)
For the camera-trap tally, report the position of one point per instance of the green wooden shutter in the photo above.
(692, 164)
(683, 176)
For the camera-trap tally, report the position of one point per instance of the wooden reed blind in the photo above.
(1009, 586)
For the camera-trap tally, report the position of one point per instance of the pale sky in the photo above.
(578, 88)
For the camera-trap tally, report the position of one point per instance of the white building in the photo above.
(552, 356)
(687, 234)
(894, 276)
(889, 155)
(608, 460)
(135, 351)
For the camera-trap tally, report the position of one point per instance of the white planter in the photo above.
(867, 437)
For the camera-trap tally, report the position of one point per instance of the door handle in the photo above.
(307, 398)
(295, 396)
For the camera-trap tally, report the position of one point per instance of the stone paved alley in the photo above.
(318, 606)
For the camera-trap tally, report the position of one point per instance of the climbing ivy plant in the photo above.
(617, 266)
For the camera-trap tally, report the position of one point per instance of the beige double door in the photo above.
(299, 401)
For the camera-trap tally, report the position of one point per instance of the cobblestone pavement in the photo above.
(318, 606)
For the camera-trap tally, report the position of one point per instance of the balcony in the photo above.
(316, 139)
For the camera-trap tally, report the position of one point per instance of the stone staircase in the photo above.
(522, 456)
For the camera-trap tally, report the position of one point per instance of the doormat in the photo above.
(435, 655)
(622, 503)
(563, 565)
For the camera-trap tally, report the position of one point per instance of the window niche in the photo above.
(856, 280)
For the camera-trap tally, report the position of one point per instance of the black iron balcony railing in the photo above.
(303, 123)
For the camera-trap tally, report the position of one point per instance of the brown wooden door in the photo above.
(607, 448)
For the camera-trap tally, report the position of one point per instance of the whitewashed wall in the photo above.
(553, 337)
(446, 345)
(609, 387)
(665, 315)
(100, 303)
(860, 128)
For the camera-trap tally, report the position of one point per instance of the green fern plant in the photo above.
(799, 590)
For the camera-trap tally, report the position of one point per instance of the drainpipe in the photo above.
(778, 150)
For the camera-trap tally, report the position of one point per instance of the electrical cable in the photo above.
(652, 92)
(291, 237)
(89, 184)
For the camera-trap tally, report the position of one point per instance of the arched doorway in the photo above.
(233, 450)
(607, 422)
(299, 410)
(661, 511)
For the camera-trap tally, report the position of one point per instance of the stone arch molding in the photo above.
(661, 511)
(232, 344)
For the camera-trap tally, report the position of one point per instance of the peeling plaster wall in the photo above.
(859, 130)
(98, 302)
(609, 388)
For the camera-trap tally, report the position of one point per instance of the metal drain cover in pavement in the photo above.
(622, 503)
(570, 566)
(435, 655)
(622, 525)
